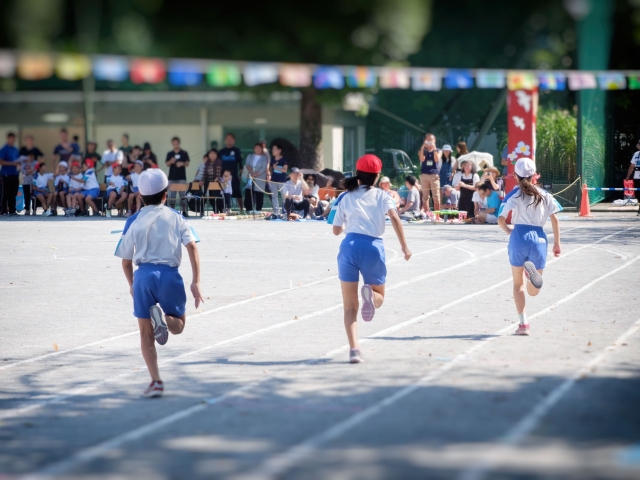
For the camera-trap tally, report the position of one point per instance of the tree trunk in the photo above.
(310, 130)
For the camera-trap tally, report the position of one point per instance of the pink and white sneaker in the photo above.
(523, 329)
(368, 308)
(154, 390)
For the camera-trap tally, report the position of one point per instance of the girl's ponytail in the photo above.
(360, 178)
(527, 188)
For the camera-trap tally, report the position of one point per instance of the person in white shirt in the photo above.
(531, 207)
(293, 193)
(152, 240)
(60, 187)
(312, 196)
(111, 156)
(361, 215)
(634, 170)
(76, 182)
(41, 188)
(116, 191)
(134, 195)
(90, 190)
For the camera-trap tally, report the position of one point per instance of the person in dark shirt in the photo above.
(9, 175)
(232, 160)
(28, 169)
(91, 153)
(177, 160)
(148, 157)
(65, 150)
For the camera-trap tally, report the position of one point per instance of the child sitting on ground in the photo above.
(116, 191)
(491, 204)
(41, 188)
(411, 208)
(61, 187)
(90, 190)
(133, 178)
(75, 187)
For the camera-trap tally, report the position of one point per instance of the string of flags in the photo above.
(190, 73)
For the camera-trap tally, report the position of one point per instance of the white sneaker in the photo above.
(108, 213)
(355, 356)
(47, 213)
(154, 390)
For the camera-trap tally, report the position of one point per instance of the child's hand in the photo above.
(556, 250)
(195, 291)
(407, 253)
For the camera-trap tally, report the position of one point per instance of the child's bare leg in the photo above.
(130, 203)
(80, 200)
(175, 324)
(351, 305)
(112, 199)
(378, 295)
(43, 201)
(63, 202)
(138, 202)
(148, 347)
(50, 200)
(518, 288)
(122, 198)
(89, 200)
(531, 290)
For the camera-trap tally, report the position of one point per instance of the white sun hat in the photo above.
(525, 167)
(152, 181)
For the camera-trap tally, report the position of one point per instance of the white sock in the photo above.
(523, 318)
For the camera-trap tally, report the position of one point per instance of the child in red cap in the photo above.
(90, 190)
(361, 215)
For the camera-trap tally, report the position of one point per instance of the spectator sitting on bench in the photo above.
(41, 189)
(116, 191)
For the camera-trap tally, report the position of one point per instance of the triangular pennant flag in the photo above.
(582, 81)
(634, 82)
(70, 66)
(361, 77)
(394, 78)
(458, 79)
(147, 70)
(35, 66)
(423, 79)
(224, 75)
(328, 77)
(292, 75)
(612, 81)
(552, 81)
(7, 64)
(260, 74)
(183, 73)
(490, 79)
(521, 80)
(110, 68)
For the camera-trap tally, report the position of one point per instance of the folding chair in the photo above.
(214, 186)
(179, 188)
(197, 203)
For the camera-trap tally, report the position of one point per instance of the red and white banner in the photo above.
(522, 108)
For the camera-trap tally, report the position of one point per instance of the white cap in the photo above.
(139, 162)
(447, 148)
(63, 164)
(525, 167)
(384, 180)
(152, 181)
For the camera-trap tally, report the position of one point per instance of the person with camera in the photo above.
(430, 163)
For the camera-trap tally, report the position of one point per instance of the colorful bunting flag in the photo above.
(521, 81)
(634, 82)
(612, 81)
(260, 74)
(582, 81)
(423, 79)
(552, 81)
(7, 64)
(183, 73)
(224, 75)
(490, 79)
(361, 77)
(328, 77)
(394, 78)
(458, 79)
(71, 66)
(292, 75)
(35, 66)
(111, 68)
(147, 70)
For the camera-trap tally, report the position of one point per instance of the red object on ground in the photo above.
(585, 210)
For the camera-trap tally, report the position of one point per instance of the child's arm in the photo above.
(502, 221)
(127, 268)
(194, 258)
(556, 234)
(337, 230)
(397, 226)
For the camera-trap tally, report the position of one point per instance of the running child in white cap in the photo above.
(361, 215)
(152, 240)
(531, 206)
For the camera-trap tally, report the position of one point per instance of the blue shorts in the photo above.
(528, 243)
(62, 190)
(362, 254)
(109, 190)
(135, 189)
(42, 191)
(158, 284)
(92, 192)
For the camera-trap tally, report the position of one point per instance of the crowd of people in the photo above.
(83, 180)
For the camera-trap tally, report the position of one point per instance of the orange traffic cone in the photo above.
(585, 210)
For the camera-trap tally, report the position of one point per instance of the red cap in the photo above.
(369, 164)
(89, 163)
(75, 164)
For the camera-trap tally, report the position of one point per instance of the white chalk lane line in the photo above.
(50, 400)
(529, 422)
(208, 312)
(92, 453)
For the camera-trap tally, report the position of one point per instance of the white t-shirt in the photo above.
(90, 180)
(525, 213)
(112, 157)
(134, 179)
(458, 177)
(61, 178)
(155, 235)
(41, 181)
(363, 211)
(293, 189)
(76, 181)
(313, 191)
(226, 187)
(635, 160)
(115, 181)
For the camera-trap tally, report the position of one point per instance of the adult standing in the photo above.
(232, 160)
(430, 162)
(279, 167)
(110, 157)
(91, 153)
(130, 160)
(461, 148)
(464, 181)
(634, 170)
(28, 169)
(448, 166)
(148, 157)
(177, 160)
(10, 178)
(209, 171)
(65, 150)
(125, 148)
(257, 165)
